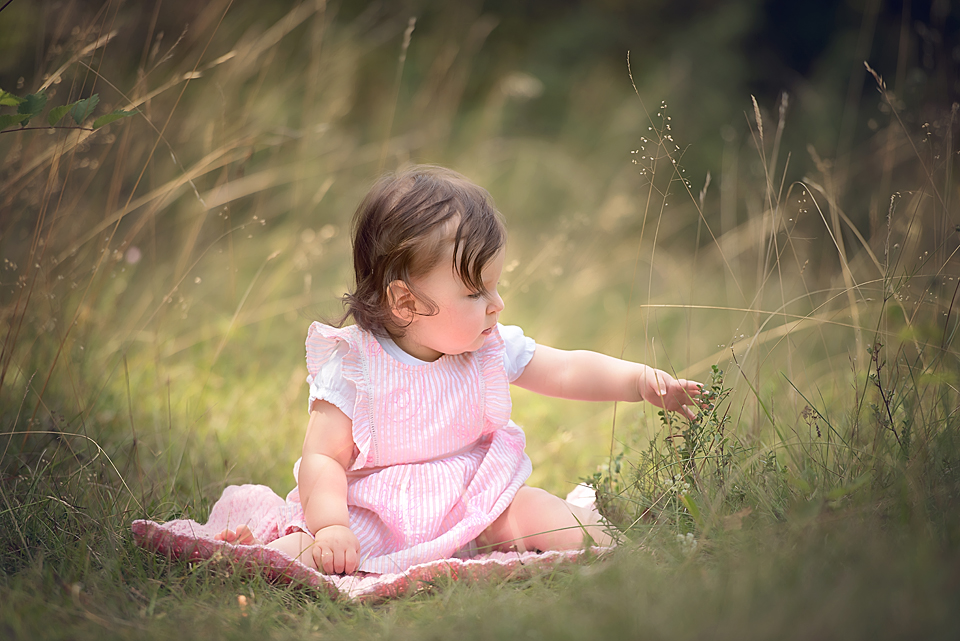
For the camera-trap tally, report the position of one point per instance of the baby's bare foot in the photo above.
(241, 536)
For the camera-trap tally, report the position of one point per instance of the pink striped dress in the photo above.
(438, 457)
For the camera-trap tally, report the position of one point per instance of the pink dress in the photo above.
(438, 457)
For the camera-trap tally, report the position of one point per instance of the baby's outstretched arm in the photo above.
(589, 376)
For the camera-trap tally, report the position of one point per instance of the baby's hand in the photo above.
(674, 395)
(336, 550)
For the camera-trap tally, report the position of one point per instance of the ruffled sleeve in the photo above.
(496, 386)
(518, 351)
(335, 375)
(325, 354)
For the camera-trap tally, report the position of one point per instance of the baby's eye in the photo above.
(475, 296)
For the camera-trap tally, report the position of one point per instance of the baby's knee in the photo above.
(535, 520)
(558, 525)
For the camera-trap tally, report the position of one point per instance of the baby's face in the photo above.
(464, 317)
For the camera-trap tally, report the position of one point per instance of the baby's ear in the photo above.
(403, 303)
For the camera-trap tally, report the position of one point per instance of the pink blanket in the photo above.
(257, 505)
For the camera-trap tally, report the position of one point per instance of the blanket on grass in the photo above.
(189, 540)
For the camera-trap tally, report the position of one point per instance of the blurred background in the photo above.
(686, 183)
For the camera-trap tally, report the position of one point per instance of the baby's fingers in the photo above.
(351, 560)
(680, 396)
(326, 560)
(345, 560)
(339, 560)
(692, 390)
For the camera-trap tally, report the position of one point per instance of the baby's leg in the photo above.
(538, 520)
(297, 545)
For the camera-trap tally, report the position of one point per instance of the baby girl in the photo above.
(410, 454)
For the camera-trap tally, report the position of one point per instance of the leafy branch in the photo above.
(31, 105)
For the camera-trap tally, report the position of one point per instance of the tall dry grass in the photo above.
(838, 385)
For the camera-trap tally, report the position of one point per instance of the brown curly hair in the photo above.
(400, 232)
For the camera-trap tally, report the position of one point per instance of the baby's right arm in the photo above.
(327, 451)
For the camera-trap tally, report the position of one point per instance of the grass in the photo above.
(159, 272)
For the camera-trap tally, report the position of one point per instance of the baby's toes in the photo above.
(228, 536)
(244, 536)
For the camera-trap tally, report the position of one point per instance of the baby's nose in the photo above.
(496, 303)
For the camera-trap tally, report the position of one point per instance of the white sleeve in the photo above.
(519, 350)
(330, 385)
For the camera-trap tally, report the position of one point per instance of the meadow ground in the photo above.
(159, 272)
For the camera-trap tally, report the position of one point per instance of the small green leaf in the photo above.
(6, 120)
(57, 113)
(110, 117)
(691, 506)
(31, 105)
(8, 99)
(82, 109)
